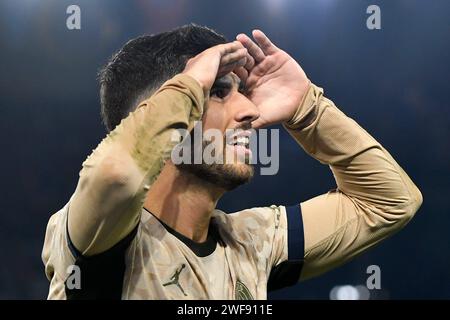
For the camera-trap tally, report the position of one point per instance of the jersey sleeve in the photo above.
(374, 197)
(56, 254)
(115, 178)
(74, 276)
(287, 258)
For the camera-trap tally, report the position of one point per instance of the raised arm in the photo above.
(116, 177)
(374, 196)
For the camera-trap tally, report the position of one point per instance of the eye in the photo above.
(219, 92)
(242, 89)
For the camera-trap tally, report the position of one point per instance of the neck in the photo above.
(183, 202)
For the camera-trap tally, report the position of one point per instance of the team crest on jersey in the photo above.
(241, 291)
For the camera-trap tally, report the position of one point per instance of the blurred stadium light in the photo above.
(349, 292)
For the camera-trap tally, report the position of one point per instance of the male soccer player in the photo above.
(140, 227)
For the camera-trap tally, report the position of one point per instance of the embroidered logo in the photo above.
(241, 292)
(175, 279)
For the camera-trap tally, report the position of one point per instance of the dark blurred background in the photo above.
(393, 81)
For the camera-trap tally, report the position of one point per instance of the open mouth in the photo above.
(243, 141)
(240, 141)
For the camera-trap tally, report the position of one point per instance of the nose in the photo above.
(247, 111)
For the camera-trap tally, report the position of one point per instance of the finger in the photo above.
(230, 47)
(264, 43)
(258, 123)
(233, 56)
(250, 62)
(251, 82)
(252, 47)
(242, 73)
(227, 68)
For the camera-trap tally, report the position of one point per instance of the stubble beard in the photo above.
(227, 176)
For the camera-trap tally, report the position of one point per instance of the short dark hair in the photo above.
(143, 64)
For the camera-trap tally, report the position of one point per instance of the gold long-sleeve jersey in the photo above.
(104, 244)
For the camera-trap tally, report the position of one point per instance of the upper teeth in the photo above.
(242, 140)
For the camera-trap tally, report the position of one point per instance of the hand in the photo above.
(216, 62)
(275, 82)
